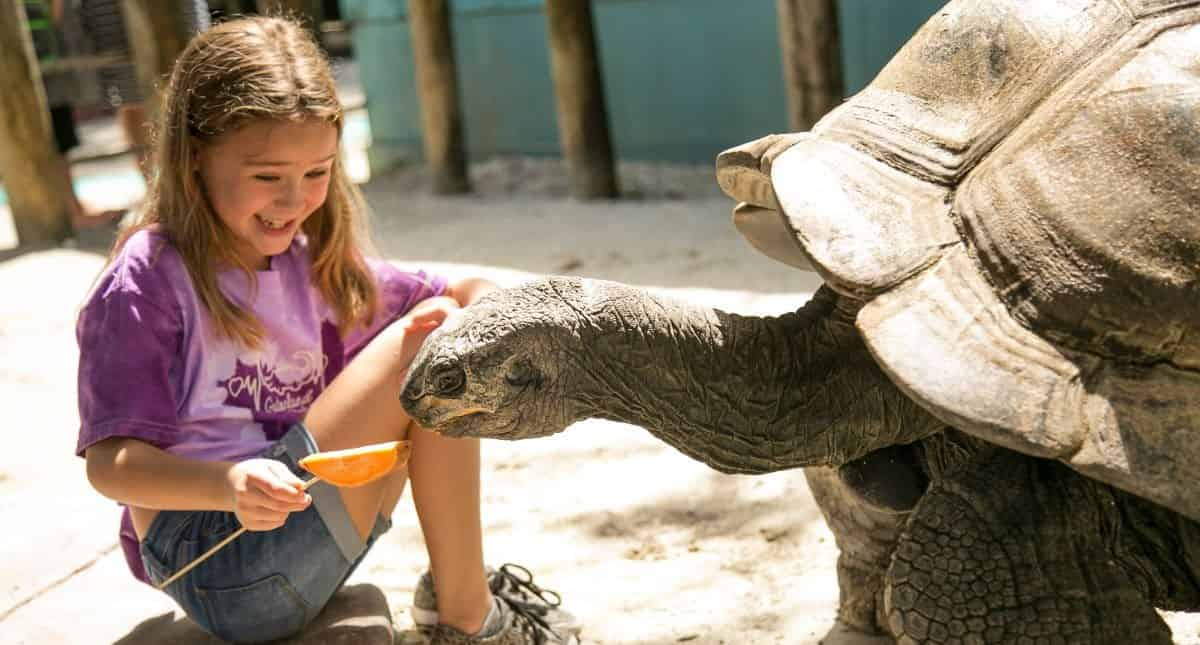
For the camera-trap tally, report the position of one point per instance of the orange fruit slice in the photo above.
(357, 466)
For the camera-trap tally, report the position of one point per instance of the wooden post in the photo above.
(812, 62)
(437, 90)
(579, 99)
(157, 33)
(29, 161)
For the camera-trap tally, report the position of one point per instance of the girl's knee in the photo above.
(412, 329)
(435, 308)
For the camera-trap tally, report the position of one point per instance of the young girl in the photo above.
(208, 355)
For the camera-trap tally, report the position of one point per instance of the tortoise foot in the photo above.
(843, 634)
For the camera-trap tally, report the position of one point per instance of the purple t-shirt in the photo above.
(152, 367)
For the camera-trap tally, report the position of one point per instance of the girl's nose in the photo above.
(290, 195)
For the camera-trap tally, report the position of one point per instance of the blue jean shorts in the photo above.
(265, 584)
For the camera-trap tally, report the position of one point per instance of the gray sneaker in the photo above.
(518, 625)
(512, 582)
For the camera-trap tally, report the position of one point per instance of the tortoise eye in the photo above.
(448, 381)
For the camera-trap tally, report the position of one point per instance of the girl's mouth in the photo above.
(272, 224)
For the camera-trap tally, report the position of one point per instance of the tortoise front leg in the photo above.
(1012, 549)
(866, 537)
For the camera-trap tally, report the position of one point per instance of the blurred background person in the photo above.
(104, 24)
(57, 34)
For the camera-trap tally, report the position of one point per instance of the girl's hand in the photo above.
(264, 493)
(430, 313)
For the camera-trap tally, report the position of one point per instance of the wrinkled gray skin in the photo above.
(944, 538)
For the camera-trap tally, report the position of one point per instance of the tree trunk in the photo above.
(579, 99)
(29, 162)
(158, 33)
(437, 88)
(812, 63)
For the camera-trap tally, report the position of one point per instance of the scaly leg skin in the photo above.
(1012, 549)
(865, 537)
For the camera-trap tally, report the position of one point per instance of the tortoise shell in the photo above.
(1016, 197)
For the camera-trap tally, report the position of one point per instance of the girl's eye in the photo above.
(266, 178)
(317, 173)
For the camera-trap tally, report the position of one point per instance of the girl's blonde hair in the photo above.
(237, 72)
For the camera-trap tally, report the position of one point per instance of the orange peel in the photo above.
(357, 466)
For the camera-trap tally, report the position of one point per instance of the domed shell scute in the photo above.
(1098, 196)
(972, 72)
(864, 225)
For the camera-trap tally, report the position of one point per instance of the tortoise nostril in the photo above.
(412, 391)
(448, 381)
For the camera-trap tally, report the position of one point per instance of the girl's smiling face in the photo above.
(264, 179)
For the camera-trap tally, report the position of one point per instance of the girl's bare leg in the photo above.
(393, 490)
(446, 493)
(362, 406)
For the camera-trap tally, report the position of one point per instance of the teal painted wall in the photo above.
(683, 79)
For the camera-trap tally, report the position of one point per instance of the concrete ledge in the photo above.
(357, 614)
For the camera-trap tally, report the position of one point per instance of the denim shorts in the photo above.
(265, 584)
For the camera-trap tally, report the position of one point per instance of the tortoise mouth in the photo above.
(477, 422)
(450, 420)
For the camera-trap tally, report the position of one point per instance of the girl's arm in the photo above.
(261, 492)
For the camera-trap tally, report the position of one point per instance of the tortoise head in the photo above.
(496, 368)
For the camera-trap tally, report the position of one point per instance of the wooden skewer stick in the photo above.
(217, 547)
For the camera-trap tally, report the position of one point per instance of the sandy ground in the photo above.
(645, 545)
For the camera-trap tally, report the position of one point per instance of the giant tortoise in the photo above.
(997, 389)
